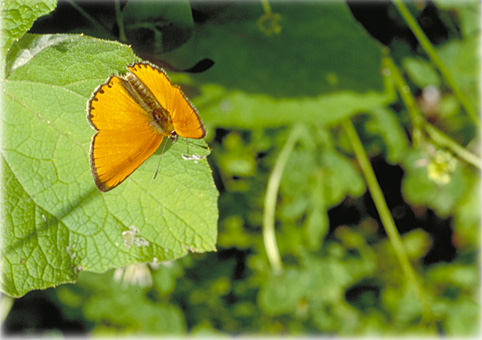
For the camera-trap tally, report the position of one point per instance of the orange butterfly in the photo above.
(132, 114)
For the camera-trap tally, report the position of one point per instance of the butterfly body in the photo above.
(160, 116)
(132, 114)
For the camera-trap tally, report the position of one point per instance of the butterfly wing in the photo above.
(124, 139)
(184, 117)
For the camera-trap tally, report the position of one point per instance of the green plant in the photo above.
(305, 111)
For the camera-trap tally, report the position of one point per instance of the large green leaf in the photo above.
(55, 220)
(304, 73)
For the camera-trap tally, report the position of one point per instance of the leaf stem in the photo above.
(383, 211)
(427, 46)
(270, 199)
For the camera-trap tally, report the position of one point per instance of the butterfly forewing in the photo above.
(184, 116)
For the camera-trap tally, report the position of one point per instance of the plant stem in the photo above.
(415, 116)
(383, 211)
(427, 46)
(445, 141)
(270, 199)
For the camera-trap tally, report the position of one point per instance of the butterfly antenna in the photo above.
(159, 163)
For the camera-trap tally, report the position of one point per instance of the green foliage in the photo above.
(135, 311)
(275, 66)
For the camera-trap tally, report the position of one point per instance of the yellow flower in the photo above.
(441, 167)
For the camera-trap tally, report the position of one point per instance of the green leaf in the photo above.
(331, 177)
(385, 123)
(460, 318)
(467, 12)
(405, 301)
(68, 225)
(462, 58)
(316, 226)
(457, 301)
(305, 73)
(17, 17)
(455, 275)
(421, 72)
(340, 178)
(468, 215)
(283, 293)
(417, 243)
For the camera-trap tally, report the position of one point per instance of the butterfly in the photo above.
(132, 115)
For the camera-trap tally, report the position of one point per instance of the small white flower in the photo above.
(135, 274)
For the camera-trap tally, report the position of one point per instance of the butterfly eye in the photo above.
(173, 136)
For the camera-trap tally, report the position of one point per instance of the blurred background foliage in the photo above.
(262, 73)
